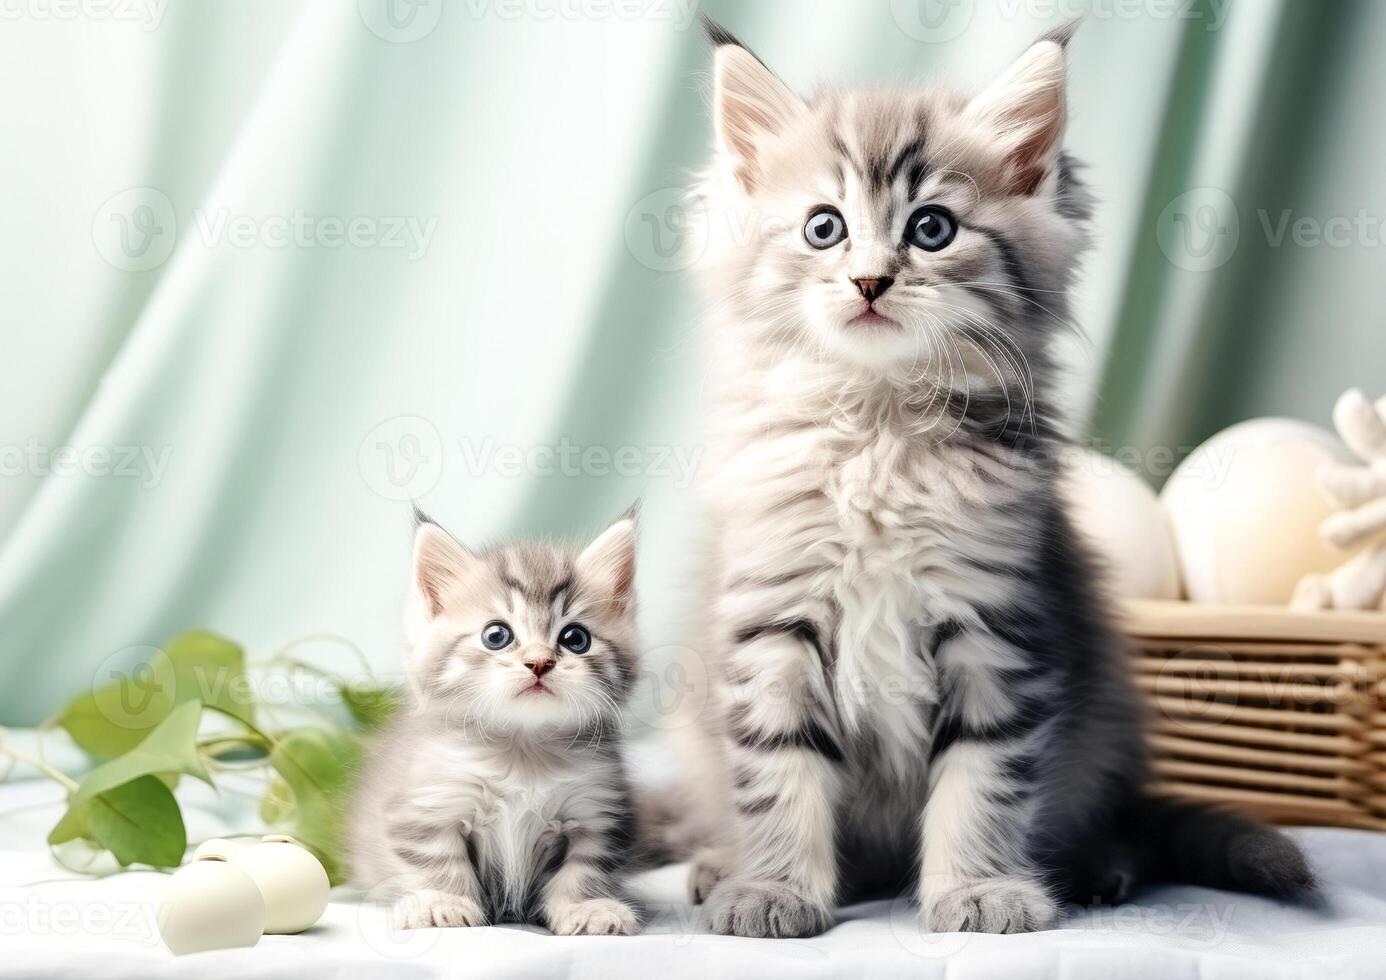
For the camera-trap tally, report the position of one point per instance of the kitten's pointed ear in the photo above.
(440, 561)
(608, 563)
(749, 102)
(1024, 109)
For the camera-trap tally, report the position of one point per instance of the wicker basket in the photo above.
(1275, 712)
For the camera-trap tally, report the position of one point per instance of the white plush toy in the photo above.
(1360, 493)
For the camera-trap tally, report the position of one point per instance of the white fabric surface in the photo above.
(52, 925)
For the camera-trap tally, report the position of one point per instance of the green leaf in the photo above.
(110, 720)
(140, 823)
(316, 763)
(104, 799)
(277, 805)
(211, 669)
(169, 748)
(371, 707)
(72, 826)
(317, 766)
(113, 718)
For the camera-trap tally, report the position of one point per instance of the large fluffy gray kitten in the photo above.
(499, 793)
(916, 682)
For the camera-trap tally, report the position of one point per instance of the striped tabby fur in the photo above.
(493, 799)
(917, 684)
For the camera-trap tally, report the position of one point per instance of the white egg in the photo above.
(211, 904)
(1120, 516)
(1246, 509)
(293, 882)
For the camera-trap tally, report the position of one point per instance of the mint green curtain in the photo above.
(274, 268)
(1273, 123)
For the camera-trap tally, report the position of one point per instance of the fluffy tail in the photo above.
(1199, 845)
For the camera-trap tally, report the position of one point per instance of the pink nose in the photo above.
(872, 289)
(540, 667)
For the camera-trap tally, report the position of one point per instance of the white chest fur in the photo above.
(879, 522)
(863, 528)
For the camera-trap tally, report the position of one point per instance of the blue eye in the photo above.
(496, 636)
(825, 228)
(575, 639)
(931, 228)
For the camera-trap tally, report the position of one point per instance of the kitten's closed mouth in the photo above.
(536, 688)
(872, 319)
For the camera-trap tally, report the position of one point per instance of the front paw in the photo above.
(996, 905)
(427, 909)
(594, 917)
(709, 867)
(763, 910)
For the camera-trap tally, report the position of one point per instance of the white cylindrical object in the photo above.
(293, 882)
(211, 904)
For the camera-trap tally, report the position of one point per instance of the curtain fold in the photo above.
(253, 392)
(1204, 335)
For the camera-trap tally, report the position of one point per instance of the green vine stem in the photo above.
(266, 740)
(281, 656)
(61, 778)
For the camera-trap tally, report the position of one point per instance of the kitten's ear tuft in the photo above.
(1062, 34)
(608, 563)
(440, 561)
(1024, 110)
(749, 101)
(716, 34)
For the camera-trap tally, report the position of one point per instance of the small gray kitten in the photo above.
(916, 683)
(499, 794)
